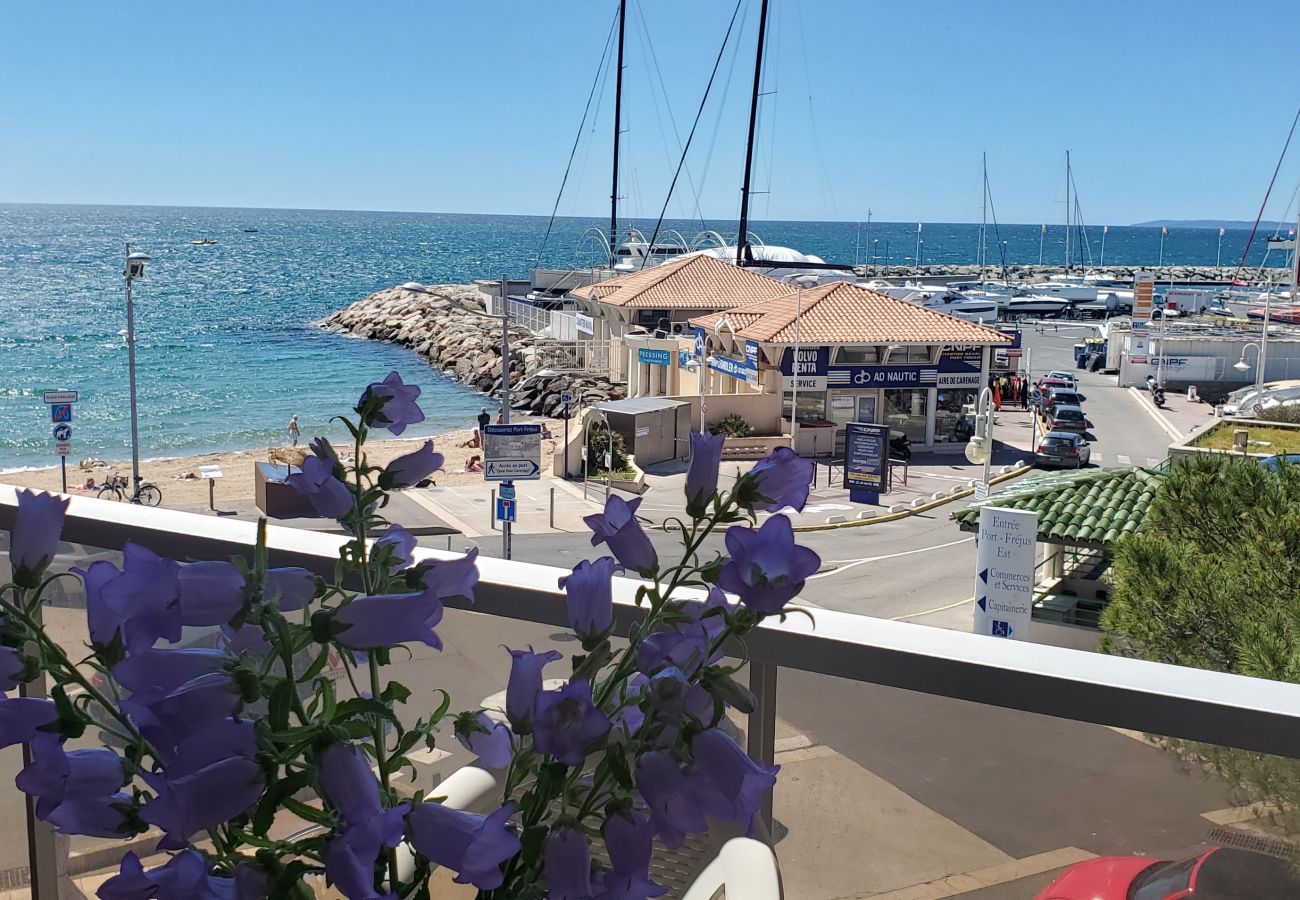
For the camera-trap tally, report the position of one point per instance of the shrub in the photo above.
(1289, 415)
(599, 440)
(734, 426)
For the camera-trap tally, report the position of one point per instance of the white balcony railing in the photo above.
(1216, 708)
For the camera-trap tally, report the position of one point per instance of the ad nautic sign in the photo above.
(1004, 572)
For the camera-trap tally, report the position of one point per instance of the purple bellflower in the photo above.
(567, 865)
(186, 876)
(524, 685)
(687, 644)
(22, 717)
(400, 543)
(702, 476)
(35, 537)
(250, 639)
(167, 669)
(12, 666)
(76, 792)
(145, 599)
(323, 449)
(102, 622)
(567, 723)
(731, 785)
(767, 568)
(589, 594)
(188, 804)
(351, 788)
(485, 737)
(387, 619)
(210, 592)
(629, 718)
(291, 587)
(329, 497)
(674, 809)
(168, 717)
(779, 480)
(398, 408)
(629, 838)
(452, 577)
(618, 527)
(410, 469)
(471, 845)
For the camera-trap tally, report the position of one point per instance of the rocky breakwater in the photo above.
(1176, 274)
(448, 327)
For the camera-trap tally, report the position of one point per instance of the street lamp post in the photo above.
(134, 269)
(979, 449)
(417, 288)
(1242, 366)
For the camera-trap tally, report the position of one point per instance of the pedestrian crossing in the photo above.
(1122, 459)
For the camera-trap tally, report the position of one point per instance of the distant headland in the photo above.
(1231, 224)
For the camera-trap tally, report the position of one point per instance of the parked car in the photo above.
(1062, 397)
(1068, 418)
(1218, 874)
(1061, 448)
(1059, 375)
(1272, 462)
(1051, 382)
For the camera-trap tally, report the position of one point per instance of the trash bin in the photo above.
(1080, 351)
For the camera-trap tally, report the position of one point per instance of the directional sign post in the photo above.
(60, 404)
(566, 399)
(510, 452)
(1004, 572)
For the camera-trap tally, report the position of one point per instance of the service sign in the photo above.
(512, 452)
(654, 357)
(806, 366)
(1004, 572)
(866, 457)
(586, 324)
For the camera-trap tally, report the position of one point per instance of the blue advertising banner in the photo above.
(654, 357)
(812, 361)
(751, 355)
(1014, 334)
(866, 458)
(734, 368)
(883, 376)
(699, 341)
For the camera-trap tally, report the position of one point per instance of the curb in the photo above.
(1165, 425)
(1019, 470)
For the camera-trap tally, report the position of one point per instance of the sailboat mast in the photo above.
(742, 240)
(984, 216)
(618, 128)
(1067, 210)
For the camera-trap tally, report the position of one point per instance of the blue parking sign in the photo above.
(60, 412)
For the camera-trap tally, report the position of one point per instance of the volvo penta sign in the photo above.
(806, 366)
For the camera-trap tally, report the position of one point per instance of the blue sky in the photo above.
(1171, 109)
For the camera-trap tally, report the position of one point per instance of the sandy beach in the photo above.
(237, 467)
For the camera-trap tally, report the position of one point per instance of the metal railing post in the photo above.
(761, 739)
(492, 510)
(42, 851)
(552, 507)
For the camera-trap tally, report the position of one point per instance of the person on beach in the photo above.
(475, 441)
(501, 416)
(483, 419)
(474, 464)
(293, 429)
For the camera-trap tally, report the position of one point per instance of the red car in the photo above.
(1218, 874)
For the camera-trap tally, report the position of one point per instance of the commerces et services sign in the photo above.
(1144, 293)
(512, 452)
(866, 461)
(1004, 572)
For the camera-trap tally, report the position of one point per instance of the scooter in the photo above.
(900, 448)
(1158, 397)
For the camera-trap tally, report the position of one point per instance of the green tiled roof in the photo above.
(1095, 507)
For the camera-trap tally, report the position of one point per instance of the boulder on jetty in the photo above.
(467, 346)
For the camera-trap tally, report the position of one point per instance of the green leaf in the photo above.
(325, 691)
(310, 813)
(277, 791)
(365, 706)
(280, 704)
(317, 666)
(395, 692)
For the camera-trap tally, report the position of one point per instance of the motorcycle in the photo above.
(900, 448)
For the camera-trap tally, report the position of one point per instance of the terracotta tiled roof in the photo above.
(692, 282)
(1094, 508)
(844, 313)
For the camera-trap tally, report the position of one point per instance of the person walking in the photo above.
(483, 419)
(1024, 392)
(293, 429)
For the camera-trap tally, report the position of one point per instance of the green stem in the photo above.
(381, 754)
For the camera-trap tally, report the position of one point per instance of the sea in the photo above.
(227, 342)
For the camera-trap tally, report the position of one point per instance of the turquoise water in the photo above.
(226, 348)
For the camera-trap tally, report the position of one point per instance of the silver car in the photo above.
(1064, 449)
(1067, 418)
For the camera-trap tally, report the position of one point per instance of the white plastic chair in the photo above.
(739, 867)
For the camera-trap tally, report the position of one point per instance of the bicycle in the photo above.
(116, 488)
